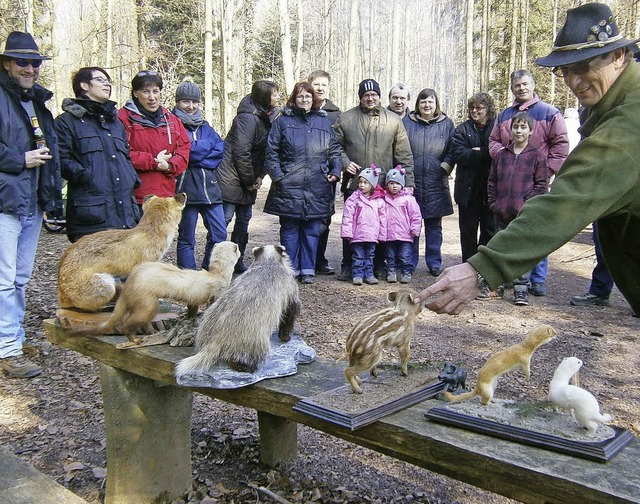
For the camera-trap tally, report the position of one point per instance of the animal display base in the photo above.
(602, 451)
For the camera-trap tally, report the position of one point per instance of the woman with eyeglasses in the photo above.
(470, 151)
(242, 169)
(303, 161)
(94, 158)
(158, 141)
(429, 130)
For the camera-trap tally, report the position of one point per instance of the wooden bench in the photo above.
(139, 413)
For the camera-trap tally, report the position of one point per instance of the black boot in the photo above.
(241, 239)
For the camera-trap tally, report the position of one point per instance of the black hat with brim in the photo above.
(589, 31)
(22, 45)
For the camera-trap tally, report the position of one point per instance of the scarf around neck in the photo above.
(190, 121)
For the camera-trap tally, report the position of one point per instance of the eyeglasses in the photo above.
(144, 73)
(21, 62)
(101, 80)
(304, 97)
(478, 108)
(579, 68)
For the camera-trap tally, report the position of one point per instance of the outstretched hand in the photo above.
(454, 288)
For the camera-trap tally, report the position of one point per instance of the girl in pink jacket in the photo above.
(404, 222)
(364, 223)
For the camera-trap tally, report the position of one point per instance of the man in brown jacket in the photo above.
(370, 134)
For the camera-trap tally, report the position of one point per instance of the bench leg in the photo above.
(278, 439)
(148, 431)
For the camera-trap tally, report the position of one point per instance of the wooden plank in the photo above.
(521, 472)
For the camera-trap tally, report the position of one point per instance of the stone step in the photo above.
(21, 483)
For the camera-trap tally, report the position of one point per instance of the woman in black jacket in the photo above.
(94, 158)
(242, 169)
(470, 151)
(303, 161)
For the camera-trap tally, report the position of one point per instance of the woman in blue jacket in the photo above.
(199, 181)
(303, 161)
(94, 157)
(429, 131)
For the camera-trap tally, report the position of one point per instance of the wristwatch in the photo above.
(481, 283)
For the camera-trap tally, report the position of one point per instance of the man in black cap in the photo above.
(370, 134)
(29, 184)
(599, 181)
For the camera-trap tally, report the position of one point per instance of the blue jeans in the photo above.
(300, 238)
(362, 259)
(243, 216)
(433, 244)
(601, 281)
(17, 253)
(539, 271)
(213, 219)
(400, 257)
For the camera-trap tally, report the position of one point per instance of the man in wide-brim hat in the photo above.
(599, 181)
(29, 184)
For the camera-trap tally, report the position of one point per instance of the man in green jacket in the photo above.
(600, 180)
(369, 133)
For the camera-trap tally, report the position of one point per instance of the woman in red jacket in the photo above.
(158, 142)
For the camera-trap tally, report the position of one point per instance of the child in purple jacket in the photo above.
(404, 221)
(518, 172)
(364, 223)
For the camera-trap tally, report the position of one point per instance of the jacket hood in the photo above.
(329, 106)
(416, 118)
(296, 112)
(79, 107)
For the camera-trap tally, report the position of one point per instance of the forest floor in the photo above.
(56, 423)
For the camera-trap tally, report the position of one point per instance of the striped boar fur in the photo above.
(237, 328)
(391, 327)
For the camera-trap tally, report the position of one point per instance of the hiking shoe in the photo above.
(357, 281)
(435, 271)
(486, 293)
(589, 299)
(520, 298)
(344, 275)
(380, 273)
(392, 277)
(325, 270)
(240, 267)
(307, 279)
(406, 278)
(19, 367)
(538, 289)
(371, 281)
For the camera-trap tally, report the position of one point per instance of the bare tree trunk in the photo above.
(351, 54)
(208, 60)
(485, 52)
(297, 69)
(524, 34)
(142, 41)
(285, 44)
(513, 44)
(469, 48)
(395, 44)
(552, 87)
(28, 21)
(108, 57)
